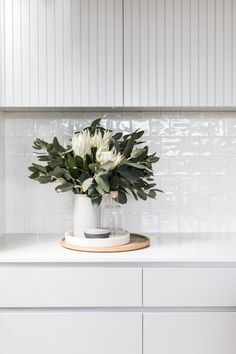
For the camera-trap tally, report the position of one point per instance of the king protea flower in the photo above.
(111, 156)
(101, 141)
(82, 143)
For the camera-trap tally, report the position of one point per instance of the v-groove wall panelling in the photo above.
(62, 53)
(180, 53)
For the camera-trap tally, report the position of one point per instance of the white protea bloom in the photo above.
(101, 141)
(82, 143)
(112, 156)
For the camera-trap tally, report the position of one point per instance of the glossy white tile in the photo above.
(197, 170)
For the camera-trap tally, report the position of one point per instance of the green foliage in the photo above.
(133, 175)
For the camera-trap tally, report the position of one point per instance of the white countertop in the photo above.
(165, 248)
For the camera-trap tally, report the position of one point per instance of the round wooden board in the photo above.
(137, 242)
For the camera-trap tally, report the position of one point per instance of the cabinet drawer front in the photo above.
(189, 333)
(53, 286)
(189, 287)
(64, 332)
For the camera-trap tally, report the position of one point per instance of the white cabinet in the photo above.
(179, 53)
(70, 286)
(73, 332)
(189, 332)
(56, 301)
(118, 53)
(61, 53)
(189, 286)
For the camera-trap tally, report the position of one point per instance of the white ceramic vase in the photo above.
(85, 215)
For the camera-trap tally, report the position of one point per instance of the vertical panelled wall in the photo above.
(180, 52)
(63, 53)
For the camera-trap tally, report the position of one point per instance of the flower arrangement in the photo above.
(96, 163)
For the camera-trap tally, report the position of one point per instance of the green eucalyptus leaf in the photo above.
(114, 183)
(134, 194)
(137, 153)
(151, 185)
(84, 175)
(44, 179)
(122, 197)
(117, 136)
(71, 161)
(86, 184)
(40, 144)
(34, 175)
(137, 134)
(33, 169)
(74, 172)
(100, 190)
(94, 166)
(95, 123)
(136, 165)
(49, 148)
(153, 159)
(96, 201)
(103, 182)
(141, 194)
(79, 161)
(57, 172)
(129, 147)
(65, 187)
(43, 158)
(59, 148)
(40, 168)
(152, 194)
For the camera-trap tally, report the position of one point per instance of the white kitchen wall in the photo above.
(197, 171)
(2, 174)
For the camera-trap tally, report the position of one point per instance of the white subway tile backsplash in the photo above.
(187, 223)
(15, 223)
(170, 146)
(231, 163)
(209, 146)
(218, 127)
(160, 127)
(207, 222)
(180, 166)
(189, 146)
(189, 185)
(227, 146)
(219, 165)
(15, 146)
(168, 222)
(198, 165)
(14, 185)
(142, 124)
(199, 127)
(227, 184)
(208, 185)
(179, 127)
(197, 170)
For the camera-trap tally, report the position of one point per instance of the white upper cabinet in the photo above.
(62, 53)
(179, 53)
(95, 53)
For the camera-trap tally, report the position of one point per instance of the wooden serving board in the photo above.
(137, 242)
